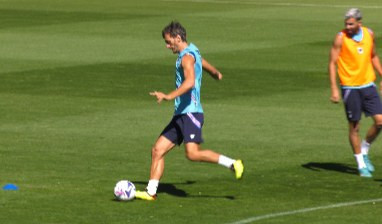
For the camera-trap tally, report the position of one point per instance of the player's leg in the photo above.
(353, 108)
(371, 135)
(373, 107)
(375, 129)
(195, 153)
(192, 133)
(159, 150)
(355, 142)
(354, 138)
(169, 137)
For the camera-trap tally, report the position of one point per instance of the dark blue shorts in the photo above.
(361, 100)
(185, 128)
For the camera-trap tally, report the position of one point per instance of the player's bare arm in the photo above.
(211, 70)
(334, 54)
(376, 61)
(189, 74)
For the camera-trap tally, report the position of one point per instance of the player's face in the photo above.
(352, 26)
(172, 43)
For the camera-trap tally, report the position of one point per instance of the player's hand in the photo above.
(380, 87)
(217, 76)
(335, 97)
(159, 95)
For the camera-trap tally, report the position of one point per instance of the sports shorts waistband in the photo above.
(359, 87)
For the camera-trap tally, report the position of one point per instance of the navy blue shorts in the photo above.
(185, 128)
(361, 100)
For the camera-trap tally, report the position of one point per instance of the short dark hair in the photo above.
(174, 29)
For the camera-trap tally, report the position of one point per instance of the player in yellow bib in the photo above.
(353, 56)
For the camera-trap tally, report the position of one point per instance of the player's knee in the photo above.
(354, 128)
(353, 133)
(378, 123)
(156, 152)
(192, 156)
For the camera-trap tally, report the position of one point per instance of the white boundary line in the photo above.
(305, 210)
(276, 4)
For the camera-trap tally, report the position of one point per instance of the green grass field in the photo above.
(76, 116)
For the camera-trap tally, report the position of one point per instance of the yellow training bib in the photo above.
(354, 64)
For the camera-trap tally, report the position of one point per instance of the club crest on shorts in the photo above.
(192, 136)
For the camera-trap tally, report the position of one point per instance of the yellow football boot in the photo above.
(145, 196)
(238, 167)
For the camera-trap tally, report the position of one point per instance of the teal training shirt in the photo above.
(189, 102)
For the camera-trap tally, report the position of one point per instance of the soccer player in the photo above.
(354, 53)
(186, 124)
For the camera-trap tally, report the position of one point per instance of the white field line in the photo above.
(305, 210)
(278, 4)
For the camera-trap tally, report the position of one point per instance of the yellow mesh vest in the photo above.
(354, 63)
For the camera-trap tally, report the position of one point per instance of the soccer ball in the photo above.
(124, 190)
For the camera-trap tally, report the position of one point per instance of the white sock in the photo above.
(360, 162)
(365, 146)
(225, 161)
(152, 187)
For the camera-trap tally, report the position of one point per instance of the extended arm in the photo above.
(211, 70)
(189, 74)
(334, 54)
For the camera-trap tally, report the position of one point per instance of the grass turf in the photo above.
(76, 116)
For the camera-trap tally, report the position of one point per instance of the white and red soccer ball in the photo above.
(124, 190)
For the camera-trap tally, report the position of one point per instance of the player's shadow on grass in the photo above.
(339, 167)
(171, 189)
(379, 180)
